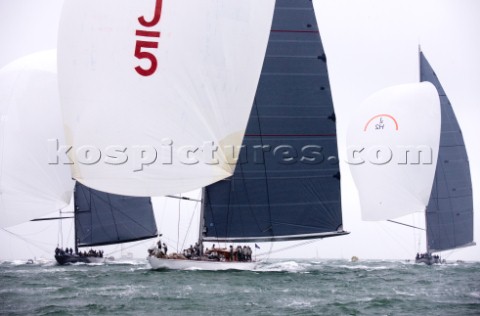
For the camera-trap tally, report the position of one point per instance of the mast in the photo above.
(427, 248)
(419, 63)
(201, 221)
(61, 228)
(75, 241)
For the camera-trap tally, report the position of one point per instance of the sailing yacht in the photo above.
(286, 184)
(417, 162)
(32, 184)
(449, 213)
(104, 219)
(138, 89)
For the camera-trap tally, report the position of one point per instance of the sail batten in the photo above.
(289, 189)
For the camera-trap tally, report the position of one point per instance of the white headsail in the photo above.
(392, 149)
(148, 86)
(30, 184)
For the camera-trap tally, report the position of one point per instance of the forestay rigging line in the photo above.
(189, 224)
(29, 242)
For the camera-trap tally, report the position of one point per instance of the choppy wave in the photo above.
(281, 287)
(312, 266)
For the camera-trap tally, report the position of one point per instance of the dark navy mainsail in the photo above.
(286, 184)
(449, 214)
(103, 218)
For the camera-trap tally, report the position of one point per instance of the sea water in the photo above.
(286, 287)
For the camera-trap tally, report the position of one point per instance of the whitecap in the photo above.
(133, 262)
(398, 292)
(363, 267)
(193, 269)
(287, 266)
(18, 262)
(299, 303)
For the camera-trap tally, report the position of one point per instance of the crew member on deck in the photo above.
(165, 249)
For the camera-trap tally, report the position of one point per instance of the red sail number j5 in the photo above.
(151, 41)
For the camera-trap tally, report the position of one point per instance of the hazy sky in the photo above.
(369, 45)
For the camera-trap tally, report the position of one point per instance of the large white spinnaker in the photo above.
(392, 149)
(148, 86)
(31, 185)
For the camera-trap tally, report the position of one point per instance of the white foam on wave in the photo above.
(286, 266)
(193, 269)
(118, 291)
(299, 303)
(308, 267)
(364, 299)
(363, 267)
(133, 262)
(403, 293)
(18, 262)
(96, 264)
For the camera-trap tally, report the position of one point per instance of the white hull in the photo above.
(184, 264)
